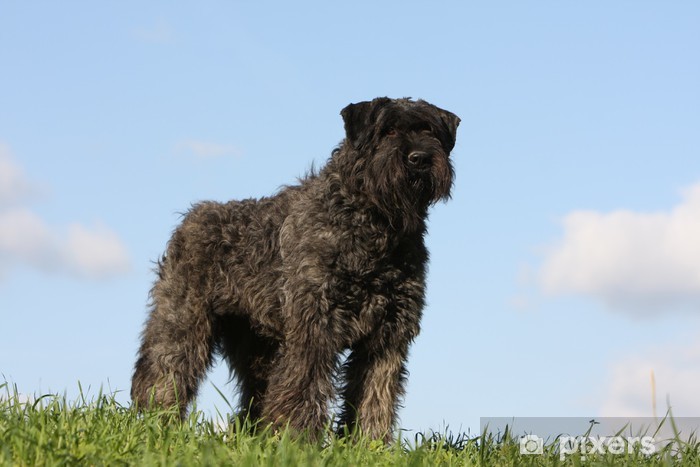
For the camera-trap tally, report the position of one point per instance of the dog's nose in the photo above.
(418, 158)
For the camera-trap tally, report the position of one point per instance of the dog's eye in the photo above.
(391, 132)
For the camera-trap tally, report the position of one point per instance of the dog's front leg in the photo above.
(300, 385)
(375, 378)
(375, 371)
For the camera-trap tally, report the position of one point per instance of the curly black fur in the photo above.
(281, 286)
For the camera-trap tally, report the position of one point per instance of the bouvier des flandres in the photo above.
(283, 286)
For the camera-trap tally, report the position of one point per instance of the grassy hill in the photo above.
(51, 430)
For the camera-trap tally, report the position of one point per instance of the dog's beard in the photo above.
(403, 194)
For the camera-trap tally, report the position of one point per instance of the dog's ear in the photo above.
(360, 120)
(450, 122)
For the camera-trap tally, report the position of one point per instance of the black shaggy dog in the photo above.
(282, 286)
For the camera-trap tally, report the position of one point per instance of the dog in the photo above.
(283, 286)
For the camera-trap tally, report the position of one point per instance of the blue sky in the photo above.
(564, 270)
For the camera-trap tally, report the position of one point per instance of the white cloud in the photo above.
(85, 252)
(633, 261)
(95, 252)
(205, 149)
(13, 184)
(676, 368)
(25, 238)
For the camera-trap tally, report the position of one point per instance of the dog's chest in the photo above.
(367, 286)
(362, 305)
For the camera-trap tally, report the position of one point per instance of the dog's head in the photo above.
(401, 153)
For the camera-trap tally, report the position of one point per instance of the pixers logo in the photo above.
(587, 445)
(531, 444)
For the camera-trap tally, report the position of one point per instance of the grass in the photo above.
(50, 430)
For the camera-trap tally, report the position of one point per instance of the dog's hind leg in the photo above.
(176, 351)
